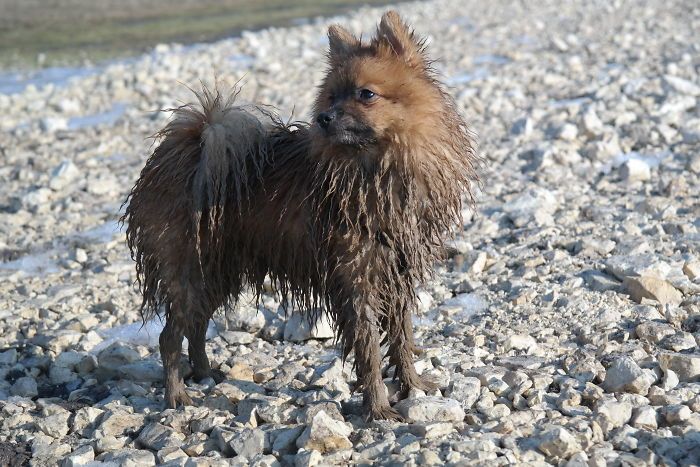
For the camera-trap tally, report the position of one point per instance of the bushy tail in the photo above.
(210, 155)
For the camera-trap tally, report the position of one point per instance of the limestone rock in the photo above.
(325, 435)
(653, 288)
(431, 409)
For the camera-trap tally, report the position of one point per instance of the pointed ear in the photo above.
(341, 41)
(397, 35)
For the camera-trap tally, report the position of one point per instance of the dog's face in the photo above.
(378, 93)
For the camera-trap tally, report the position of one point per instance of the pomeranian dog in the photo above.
(345, 214)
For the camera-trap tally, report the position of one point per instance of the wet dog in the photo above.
(346, 214)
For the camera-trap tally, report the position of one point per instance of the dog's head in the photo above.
(378, 93)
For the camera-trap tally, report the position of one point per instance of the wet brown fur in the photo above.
(231, 196)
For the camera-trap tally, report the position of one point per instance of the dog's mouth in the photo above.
(357, 135)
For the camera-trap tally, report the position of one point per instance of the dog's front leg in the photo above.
(364, 326)
(399, 329)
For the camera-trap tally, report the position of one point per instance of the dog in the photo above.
(345, 214)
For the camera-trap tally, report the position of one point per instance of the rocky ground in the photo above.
(564, 332)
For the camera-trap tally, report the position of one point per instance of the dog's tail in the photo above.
(209, 157)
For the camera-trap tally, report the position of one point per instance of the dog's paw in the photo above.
(384, 412)
(177, 396)
(217, 375)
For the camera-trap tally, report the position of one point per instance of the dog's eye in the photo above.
(366, 95)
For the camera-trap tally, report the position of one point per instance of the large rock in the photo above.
(431, 409)
(54, 425)
(635, 170)
(686, 366)
(82, 455)
(624, 375)
(130, 458)
(534, 206)
(299, 328)
(652, 288)
(25, 387)
(63, 175)
(119, 423)
(248, 443)
(156, 436)
(691, 268)
(331, 376)
(111, 360)
(465, 389)
(520, 342)
(142, 370)
(611, 414)
(245, 316)
(325, 435)
(653, 331)
(682, 86)
(645, 418)
(558, 442)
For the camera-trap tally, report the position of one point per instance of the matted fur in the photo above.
(230, 197)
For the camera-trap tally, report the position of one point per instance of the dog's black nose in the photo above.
(325, 118)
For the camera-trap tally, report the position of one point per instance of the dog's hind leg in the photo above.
(196, 337)
(170, 350)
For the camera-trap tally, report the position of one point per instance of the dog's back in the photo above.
(201, 224)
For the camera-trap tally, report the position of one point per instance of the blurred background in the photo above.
(40, 33)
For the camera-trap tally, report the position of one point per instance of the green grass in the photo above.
(64, 37)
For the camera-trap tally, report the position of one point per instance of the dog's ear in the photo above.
(342, 42)
(395, 34)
